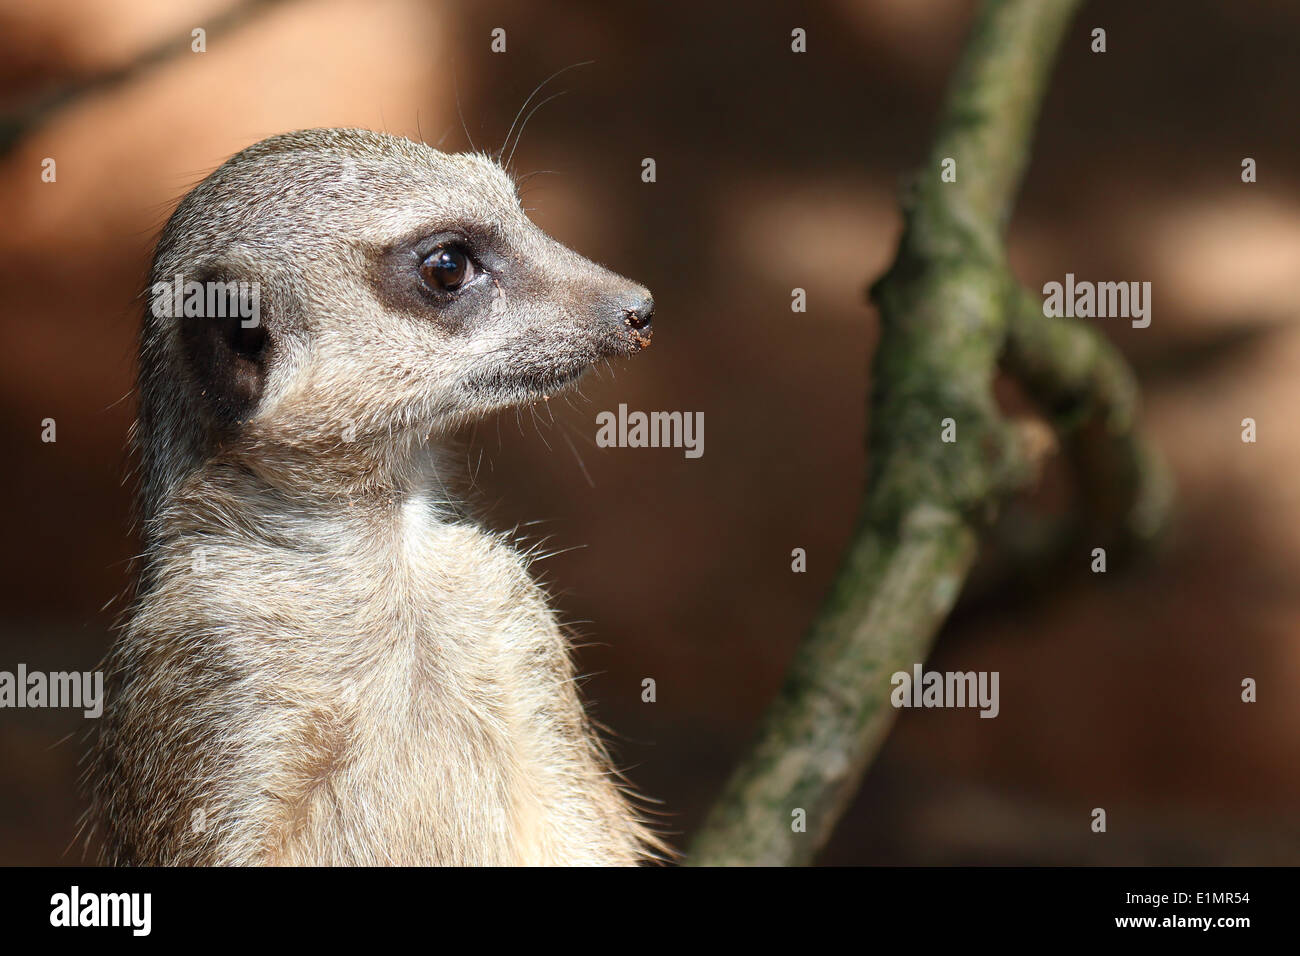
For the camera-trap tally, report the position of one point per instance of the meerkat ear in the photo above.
(227, 349)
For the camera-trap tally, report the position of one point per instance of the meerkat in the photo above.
(327, 660)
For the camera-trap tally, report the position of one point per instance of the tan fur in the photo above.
(327, 661)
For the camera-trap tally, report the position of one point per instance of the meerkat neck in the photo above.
(306, 490)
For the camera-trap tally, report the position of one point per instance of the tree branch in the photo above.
(945, 306)
(1091, 397)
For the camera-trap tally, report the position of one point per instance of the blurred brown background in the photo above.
(774, 171)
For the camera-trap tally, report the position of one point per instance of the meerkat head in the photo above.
(328, 288)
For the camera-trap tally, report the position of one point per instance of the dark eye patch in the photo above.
(405, 280)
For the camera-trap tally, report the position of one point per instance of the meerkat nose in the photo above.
(638, 316)
(623, 317)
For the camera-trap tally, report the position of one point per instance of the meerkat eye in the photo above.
(447, 268)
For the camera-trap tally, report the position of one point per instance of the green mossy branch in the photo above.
(950, 313)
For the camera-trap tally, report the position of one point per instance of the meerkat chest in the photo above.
(447, 617)
(458, 692)
(408, 691)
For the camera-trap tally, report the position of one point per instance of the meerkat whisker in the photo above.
(537, 89)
